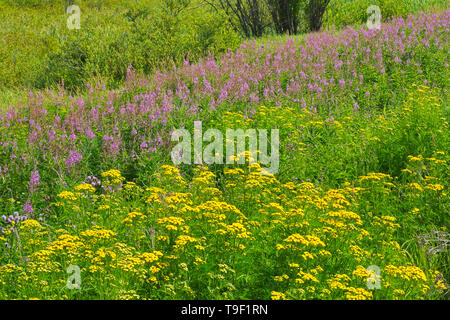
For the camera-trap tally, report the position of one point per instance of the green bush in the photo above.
(114, 35)
(86, 53)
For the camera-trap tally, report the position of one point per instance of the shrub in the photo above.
(145, 35)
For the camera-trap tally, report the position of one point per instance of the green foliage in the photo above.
(32, 3)
(85, 53)
(341, 13)
(113, 35)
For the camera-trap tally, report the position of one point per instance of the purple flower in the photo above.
(28, 208)
(74, 157)
(144, 144)
(15, 217)
(94, 181)
(34, 181)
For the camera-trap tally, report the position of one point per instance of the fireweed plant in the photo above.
(362, 115)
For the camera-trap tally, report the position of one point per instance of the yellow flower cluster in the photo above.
(85, 187)
(309, 240)
(98, 233)
(150, 257)
(406, 272)
(134, 218)
(114, 176)
(67, 195)
(171, 223)
(277, 295)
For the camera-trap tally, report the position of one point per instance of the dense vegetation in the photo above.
(87, 180)
(38, 50)
(145, 34)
